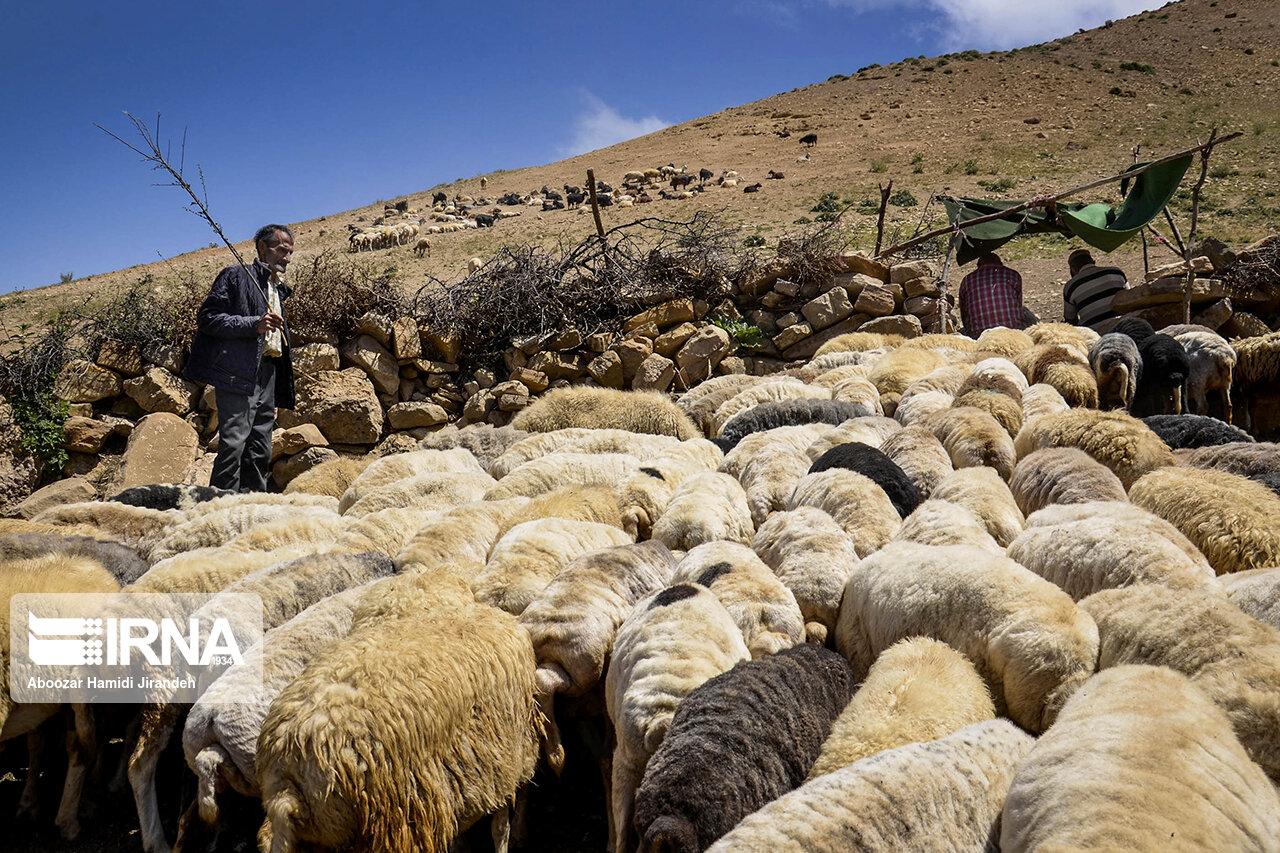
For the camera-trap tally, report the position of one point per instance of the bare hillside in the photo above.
(1010, 124)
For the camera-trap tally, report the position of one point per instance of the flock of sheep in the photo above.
(911, 595)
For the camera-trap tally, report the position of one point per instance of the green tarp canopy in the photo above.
(1100, 225)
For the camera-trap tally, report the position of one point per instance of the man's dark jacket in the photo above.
(228, 349)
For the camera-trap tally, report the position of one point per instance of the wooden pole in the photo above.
(884, 203)
(595, 205)
(1045, 201)
(1146, 262)
(1205, 153)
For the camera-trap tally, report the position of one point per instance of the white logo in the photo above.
(48, 644)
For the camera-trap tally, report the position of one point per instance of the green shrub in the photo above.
(755, 241)
(1137, 66)
(66, 277)
(879, 165)
(970, 166)
(40, 418)
(999, 185)
(903, 198)
(827, 203)
(827, 216)
(740, 331)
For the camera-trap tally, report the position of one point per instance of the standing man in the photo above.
(1086, 298)
(242, 349)
(991, 296)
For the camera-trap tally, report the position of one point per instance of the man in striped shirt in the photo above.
(1086, 298)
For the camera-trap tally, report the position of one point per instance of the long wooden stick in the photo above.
(595, 205)
(1044, 201)
(1191, 235)
(884, 202)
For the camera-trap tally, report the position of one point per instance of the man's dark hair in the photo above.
(988, 258)
(1079, 258)
(267, 234)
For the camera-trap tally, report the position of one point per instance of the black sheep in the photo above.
(870, 462)
(1182, 431)
(485, 220)
(738, 742)
(1135, 327)
(753, 188)
(168, 495)
(1165, 369)
(1270, 480)
(440, 198)
(574, 199)
(705, 175)
(789, 413)
(809, 139)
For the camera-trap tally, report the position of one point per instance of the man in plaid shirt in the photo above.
(991, 296)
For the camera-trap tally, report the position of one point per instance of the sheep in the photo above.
(857, 342)
(217, 528)
(451, 744)
(867, 429)
(531, 554)
(947, 379)
(1028, 639)
(772, 390)
(1066, 368)
(1121, 442)
(422, 247)
(874, 464)
(573, 620)
(429, 490)
(833, 376)
(973, 439)
(917, 690)
(401, 466)
(1246, 458)
(996, 373)
(319, 533)
(643, 497)
(799, 437)
(1211, 361)
(1135, 518)
(1234, 521)
(705, 507)
(167, 495)
(555, 470)
(1052, 334)
(485, 441)
(858, 505)
(41, 575)
(982, 492)
(770, 476)
(122, 562)
(939, 522)
(636, 411)
(671, 642)
(1256, 592)
(138, 528)
(852, 354)
(597, 504)
(1165, 369)
(737, 742)
(1062, 475)
(758, 601)
(210, 570)
(1004, 408)
(1163, 773)
(701, 401)
(258, 499)
(813, 557)
(920, 455)
(220, 736)
(1186, 431)
(1040, 400)
(892, 374)
(859, 391)
(460, 538)
(1135, 327)
(1006, 342)
(331, 478)
(935, 797)
(588, 441)
(384, 531)
(1229, 655)
(1085, 555)
(1116, 366)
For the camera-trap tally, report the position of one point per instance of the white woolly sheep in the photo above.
(1088, 554)
(917, 451)
(939, 522)
(773, 389)
(918, 407)
(573, 620)
(1007, 342)
(217, 528)
(1246, 458)
(578, 440)
(871, 430)
(856, 502)
(1134, 518)
(1028, 639)
(1234, 521)
(856, 342)
(330, 478)
(485, 441)
(671, 642)
(1212, 362)
(426, 491)
(556, 470)
(990, 369)
(758, 601)
(799, 437)
(860, 391)
(1051, 334)
(1062, 475)
(833, 376)
(451, 744)
(1124, 444)
(597, 504)
(1229, 655)
(1256, 592)
(643, 497)
(605, 408)
(384, 531)
(769, 478)
(1039, 400)
(917, 690)
(705, 507)
(892, 374)
(973, 438)
(40, 575)
(1161, 773)
(460, 537)
(935, 797)
(1116, 366)
(946, 379)
(1065, 367)
(701, 401)
(137, 527)
(387, 470)
(983, 493)
(532, 553)
(813, 557)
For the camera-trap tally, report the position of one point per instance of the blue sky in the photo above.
(297, 110)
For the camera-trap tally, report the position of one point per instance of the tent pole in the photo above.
(942, 283)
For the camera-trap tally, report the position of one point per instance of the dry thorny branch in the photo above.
(591, 287)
